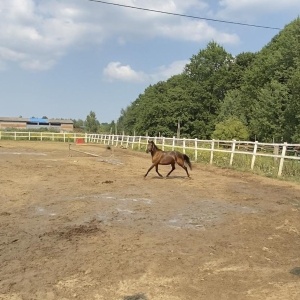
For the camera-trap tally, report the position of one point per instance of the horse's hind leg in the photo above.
(187, 172)
(181, 164)
(173, 168)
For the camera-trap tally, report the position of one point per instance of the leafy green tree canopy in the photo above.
(92, 125)
(216, 89)
(231, 129)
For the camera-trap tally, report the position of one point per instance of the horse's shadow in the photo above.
(136, 297)
(170, 177)
(295, 271)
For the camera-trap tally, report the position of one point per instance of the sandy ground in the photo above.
(82, 227)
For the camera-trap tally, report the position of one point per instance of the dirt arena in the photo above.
(92, 228)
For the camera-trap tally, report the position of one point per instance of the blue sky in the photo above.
(65, 58)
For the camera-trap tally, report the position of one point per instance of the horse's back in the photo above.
(164, 157)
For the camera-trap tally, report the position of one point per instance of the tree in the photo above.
(269, 110)
(78, 124)
(230, 129)
(209, 72)
(92, 125)
(292, 125)
(260, 89)
(232, 107)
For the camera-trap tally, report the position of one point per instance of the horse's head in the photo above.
(150, 146)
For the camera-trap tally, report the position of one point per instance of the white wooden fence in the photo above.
(279, 151)
(41, 136)
(194, 147)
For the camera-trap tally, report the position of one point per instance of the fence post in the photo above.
(15, 136)
(276, 152)
(183, 145)
(196, 149)
(127, 142)
(212, 151)
(133, 141)
(139, 146)
(29, 136)
(254, 155)
(282, 158)
(122, 140)
(163, 144)
(173, 143)
(232, 152)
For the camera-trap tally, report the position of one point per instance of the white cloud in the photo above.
(38, 65)
(252, 9)
(264, 5)
(115, 71)
(11, 55)
(165, 72)
(39, 33)
(197, 31)
(42, 32)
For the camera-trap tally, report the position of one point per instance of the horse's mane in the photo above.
(154, 145)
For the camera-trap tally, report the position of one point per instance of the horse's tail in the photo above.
(187, 161)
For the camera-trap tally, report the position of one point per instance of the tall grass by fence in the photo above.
(271, 159)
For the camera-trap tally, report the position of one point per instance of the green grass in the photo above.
(265, 166)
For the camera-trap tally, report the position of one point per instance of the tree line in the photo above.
(252, 96)
(92, 125)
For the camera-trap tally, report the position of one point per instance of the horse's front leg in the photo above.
(157, 171)
(153, 165)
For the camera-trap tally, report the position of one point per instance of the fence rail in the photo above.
(41, 136)
(280, 152)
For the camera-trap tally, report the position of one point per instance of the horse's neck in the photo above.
(154, 150)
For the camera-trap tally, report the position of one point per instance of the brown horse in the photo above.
(160, 157)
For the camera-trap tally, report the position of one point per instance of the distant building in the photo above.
(36, 123)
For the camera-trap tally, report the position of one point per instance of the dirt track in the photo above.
(82, 227)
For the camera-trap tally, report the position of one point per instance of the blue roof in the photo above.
(38, 120)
